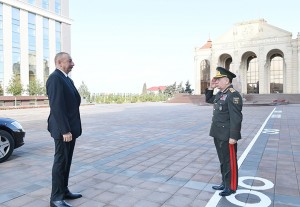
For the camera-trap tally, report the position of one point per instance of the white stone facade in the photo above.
(246, 41)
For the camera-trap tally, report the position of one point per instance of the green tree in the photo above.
(45, 89)
(144, 89)
(15, 86)
(170, 90)
(1, 90)
(35, 87)
(180, 88)
(84, 91)
(188, 88)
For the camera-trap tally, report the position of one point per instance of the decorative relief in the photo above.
(248, 30)
(261, 50)
(251, 43)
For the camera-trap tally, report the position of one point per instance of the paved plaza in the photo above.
(157, 154)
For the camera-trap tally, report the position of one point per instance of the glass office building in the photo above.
(31, 33)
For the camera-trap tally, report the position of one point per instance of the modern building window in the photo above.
(1, 48)
(252, 75)
(276, 74)
(45, 4)
(46, 48)
(16, 52)
(58, 36)
(31, 2)
(32, 46)
(57, 6)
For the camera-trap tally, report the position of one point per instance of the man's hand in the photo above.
(67, 137)
(232, 141)
(213, 84)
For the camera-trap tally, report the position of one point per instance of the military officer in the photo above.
(226, 127)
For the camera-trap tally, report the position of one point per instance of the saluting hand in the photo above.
(213, 83)
(67, 137)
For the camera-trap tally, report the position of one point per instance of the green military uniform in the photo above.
(226, 123)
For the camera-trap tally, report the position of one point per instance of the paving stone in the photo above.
(20, 201)
(92, 203)
(153, 154)
(39, 203)
(125, 201)
(179, 201)
(144, 203)
(159, 197)
(107, 197)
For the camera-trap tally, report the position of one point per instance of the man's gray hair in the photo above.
(59, 56)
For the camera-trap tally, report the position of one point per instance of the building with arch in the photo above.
(31, 33)
(265, 58)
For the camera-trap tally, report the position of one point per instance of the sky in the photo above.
(118, 45)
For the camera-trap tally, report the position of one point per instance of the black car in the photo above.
(11, 137)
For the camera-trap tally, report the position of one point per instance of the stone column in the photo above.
(7, 45)
(24, 66)
(263, 72)
(298, 61)
(197, 76)
(287, 71)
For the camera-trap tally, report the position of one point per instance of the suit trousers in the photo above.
(228, 163)
(61, 168)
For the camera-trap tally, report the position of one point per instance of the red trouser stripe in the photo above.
(233, 184)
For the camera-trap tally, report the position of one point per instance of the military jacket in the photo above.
(227, 113)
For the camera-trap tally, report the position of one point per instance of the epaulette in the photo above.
(232, 90)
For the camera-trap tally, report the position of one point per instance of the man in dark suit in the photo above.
(64, 125)
(226, 127)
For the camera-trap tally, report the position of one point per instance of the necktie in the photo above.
(71, 83)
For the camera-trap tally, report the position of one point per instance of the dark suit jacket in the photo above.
(227, 116)
(64, 101)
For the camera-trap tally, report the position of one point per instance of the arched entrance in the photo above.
(249, 73)
(252, 74)
(205, 75)
(225, 61)
(276, 71)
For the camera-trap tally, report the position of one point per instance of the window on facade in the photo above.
(57, 6)
(1, 47)
(16, 57)
(205, 75)
(16, 52)
(46, 48)
(252, 75)
(31, 1)
(32, 46)
(45, 4)
(58, 36)
(276, 74)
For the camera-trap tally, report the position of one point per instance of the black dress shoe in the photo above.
(61, 203)
(227, 192)
(70, 195)
(218, 187)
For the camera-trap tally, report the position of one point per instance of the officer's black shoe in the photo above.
(70, 195)
(227, 192)
(218, 187)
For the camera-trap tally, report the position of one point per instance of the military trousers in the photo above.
(228, 163)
